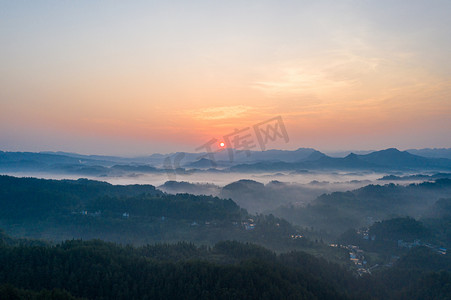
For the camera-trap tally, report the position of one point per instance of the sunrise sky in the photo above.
(138, 77)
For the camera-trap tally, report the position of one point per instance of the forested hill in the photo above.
(137, 214)
(36, 199)
(339, 211)
(228, 270)
(83, 189)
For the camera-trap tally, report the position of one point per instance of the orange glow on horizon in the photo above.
(336, 84)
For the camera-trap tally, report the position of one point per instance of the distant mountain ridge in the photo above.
(388, 159)
(73, 163)
(237, 156)
(425, 152)
(432, 153)
(256, 161)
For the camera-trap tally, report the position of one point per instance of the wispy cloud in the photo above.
(220, 113)
(317, 76)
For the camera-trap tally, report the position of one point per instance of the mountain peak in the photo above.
(351, 155)
(391, 150)
(202, 163)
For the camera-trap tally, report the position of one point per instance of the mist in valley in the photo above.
(259, 192)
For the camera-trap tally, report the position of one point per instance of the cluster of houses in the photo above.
(206, 223)
(248, 224)
(365, 234)
(356, 254)
(97, 213)
(296, 236)
(86, 213)
(356, 257)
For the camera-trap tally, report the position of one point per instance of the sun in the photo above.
(221, 144)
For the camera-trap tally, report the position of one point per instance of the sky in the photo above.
(140, 77)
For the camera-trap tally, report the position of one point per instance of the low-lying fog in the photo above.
(260, 192)
(219, 178)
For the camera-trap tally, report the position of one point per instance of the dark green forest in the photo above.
(228, 270)
(70, 239)
(138, 214)
(337, 212)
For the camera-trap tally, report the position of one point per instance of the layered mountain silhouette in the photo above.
(233, 161)
(389, 159)
(433, 153)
